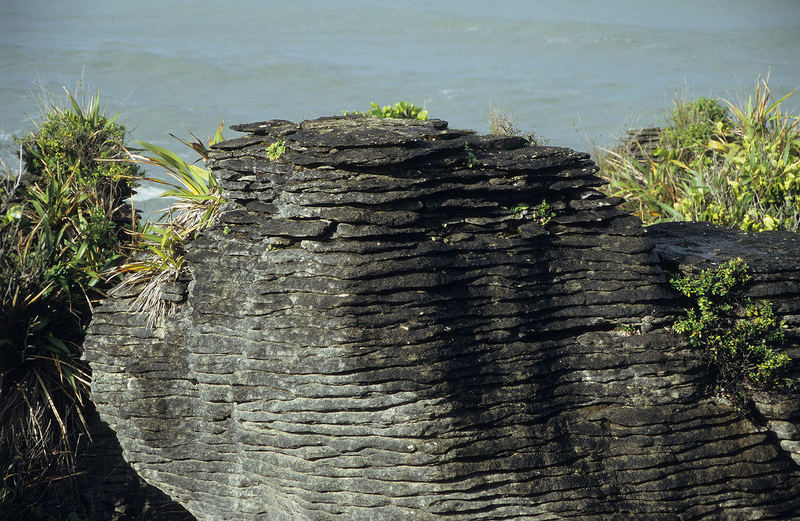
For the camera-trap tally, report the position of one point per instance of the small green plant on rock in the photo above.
(541, 213)
(628, 329)
(276, 149)
(740, 338)
(470, 159)
(401, 110)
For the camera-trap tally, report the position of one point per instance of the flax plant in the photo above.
(62, 228)
(198, 197)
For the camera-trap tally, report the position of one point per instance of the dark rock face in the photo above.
(384, 326)
(104, 486)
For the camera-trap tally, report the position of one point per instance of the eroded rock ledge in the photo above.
(377, 329)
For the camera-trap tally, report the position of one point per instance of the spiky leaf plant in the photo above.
(736, 165)
(63, 226)
(197, 198)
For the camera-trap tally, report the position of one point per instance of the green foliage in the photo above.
(739, 337)
(470, 158)
(401, 110)
(692, 124)
(735, 166)
(63, 229)
(541, 213)
(276, 149)
(80, 141)
(628, 329)
(198, 199)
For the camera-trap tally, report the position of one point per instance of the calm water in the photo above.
(576, 71)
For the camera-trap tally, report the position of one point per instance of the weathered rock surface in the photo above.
(377, 329)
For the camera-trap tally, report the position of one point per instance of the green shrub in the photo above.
(692, 124)
(740, 338)
(730, 165)
(63, 227)
(80, 141)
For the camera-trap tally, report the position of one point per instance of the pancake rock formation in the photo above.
(393, 319)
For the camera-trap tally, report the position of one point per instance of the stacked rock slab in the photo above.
(387, 323)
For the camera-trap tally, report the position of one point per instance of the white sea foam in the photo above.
(147, 191)
(9, 151)
(447, 93)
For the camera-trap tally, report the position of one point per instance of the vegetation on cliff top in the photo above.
(732, 165)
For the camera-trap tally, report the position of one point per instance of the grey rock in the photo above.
(410, 350)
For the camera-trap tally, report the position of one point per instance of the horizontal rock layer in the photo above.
(382, 325)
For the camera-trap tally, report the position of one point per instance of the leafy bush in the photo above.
(740, 338)
(717, 162)
(63, 227)
(691, 125)
(80, 141)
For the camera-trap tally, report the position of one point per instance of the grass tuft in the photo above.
(503, 123)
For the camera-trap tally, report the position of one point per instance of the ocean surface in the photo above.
(578, 72)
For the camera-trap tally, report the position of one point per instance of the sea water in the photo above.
(578, 72)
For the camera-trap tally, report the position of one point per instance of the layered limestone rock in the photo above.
(399, 320)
